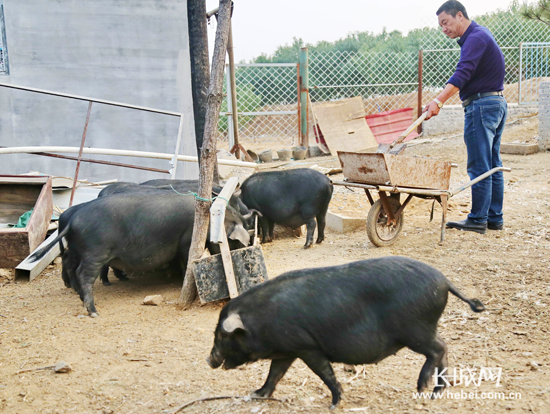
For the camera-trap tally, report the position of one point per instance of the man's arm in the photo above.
(432, 107)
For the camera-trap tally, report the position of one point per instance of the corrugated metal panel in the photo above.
(386, 126)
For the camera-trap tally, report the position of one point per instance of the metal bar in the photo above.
(407, 200)
(174, 160)
(212, 12)
(304, 92)
(457, 50)
(387, 207)
(443, 218)
(230, 128)
(228, 113)
(478, 179)
(124, 153)
(233, 87)
(80, 153)
(116, 164)
(299, 106)
(520, 71)
(420, 73)
(369, 196)
(32, 269)
(389, 189)
(358, 86)
(83, 98)
(264, 65)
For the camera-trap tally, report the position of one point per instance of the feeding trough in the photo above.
(230, 273)
(19, 195)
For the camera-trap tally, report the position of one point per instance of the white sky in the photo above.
(260, 26)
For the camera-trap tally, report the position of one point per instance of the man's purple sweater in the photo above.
(481, 65)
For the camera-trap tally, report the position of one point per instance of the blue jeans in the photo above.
(484, 121)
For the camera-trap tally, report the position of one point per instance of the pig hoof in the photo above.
(107, 284)
(333, 407)
(307, 246)
(94, 315)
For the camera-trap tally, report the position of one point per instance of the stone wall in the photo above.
(451, 117)
(544, 116)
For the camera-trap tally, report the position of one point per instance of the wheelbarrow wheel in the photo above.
(381, 233)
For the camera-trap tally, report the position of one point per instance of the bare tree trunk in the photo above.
(200, 69)
(208, 153)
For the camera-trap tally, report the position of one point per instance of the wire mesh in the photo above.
(535, 68)
(267, 104)
(385, 81)
(267, 95)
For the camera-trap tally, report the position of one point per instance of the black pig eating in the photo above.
(358, 313)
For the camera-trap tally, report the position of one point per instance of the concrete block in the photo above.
(519, 148)
(341, 223)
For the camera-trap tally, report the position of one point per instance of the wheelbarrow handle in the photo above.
(478, 179)
(410, 129)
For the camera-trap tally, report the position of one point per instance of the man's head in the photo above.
(453, 18)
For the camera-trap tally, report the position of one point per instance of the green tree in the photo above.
(539, 11)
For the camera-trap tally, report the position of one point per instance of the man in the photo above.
(479, 77)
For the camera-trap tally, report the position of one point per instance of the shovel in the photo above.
(396, 146)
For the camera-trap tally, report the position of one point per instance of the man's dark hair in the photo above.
(452, 7)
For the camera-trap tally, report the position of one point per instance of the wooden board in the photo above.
(249, 268)
(19, 194)
(344, 126)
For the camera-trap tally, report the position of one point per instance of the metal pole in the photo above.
(230, 130)
(304, 92)
(80, 153)
(174, 161)
(233, 85)
(420, 74)
(520, 71)
(299, 105)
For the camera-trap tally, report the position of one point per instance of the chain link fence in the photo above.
(267, 94)
(267, 103)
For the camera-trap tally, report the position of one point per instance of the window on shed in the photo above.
(4, 70)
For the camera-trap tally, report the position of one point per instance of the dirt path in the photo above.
(141, 359)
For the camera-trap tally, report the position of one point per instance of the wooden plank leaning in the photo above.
(218, 235)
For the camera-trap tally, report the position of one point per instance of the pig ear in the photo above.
(237, 192)
(233, 322)
(239, 233)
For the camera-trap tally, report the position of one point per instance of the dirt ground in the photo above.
(147, 359)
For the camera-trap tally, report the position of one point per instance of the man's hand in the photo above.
(432, 109)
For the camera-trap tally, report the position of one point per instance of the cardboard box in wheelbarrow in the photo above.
(395, 170)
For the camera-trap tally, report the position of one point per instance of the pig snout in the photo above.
(214, 360)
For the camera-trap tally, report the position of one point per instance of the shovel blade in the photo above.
(383, 148)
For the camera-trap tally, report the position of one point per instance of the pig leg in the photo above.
(264, 224)
(321, 227)
(271, 227)
(310, 224)
(120, 275)
(104, 276)
(436, 353)
(320, 365)
(86, 274)
(441, 367)
(276, 372)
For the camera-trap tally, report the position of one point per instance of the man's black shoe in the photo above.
(493, 226)
(468, 225)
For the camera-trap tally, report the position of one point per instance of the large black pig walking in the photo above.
(359, 313)
(289, 198)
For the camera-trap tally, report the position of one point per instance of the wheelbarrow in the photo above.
(390, 175)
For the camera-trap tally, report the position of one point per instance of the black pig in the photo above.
(359, 313)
